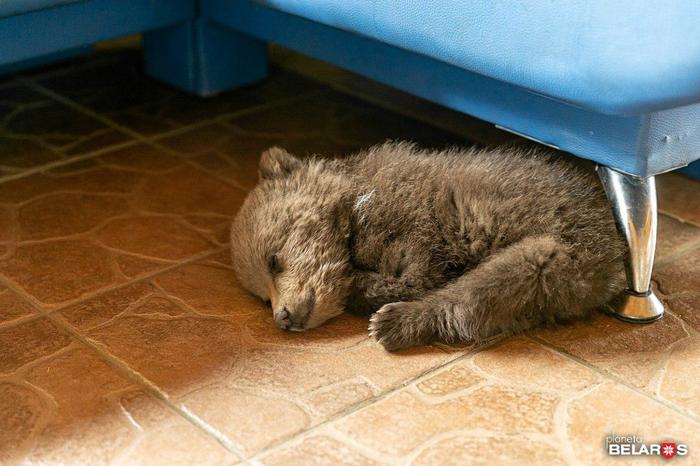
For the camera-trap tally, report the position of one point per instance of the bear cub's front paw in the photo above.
(398, 325)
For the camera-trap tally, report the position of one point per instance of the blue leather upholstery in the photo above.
(32, 36)
(14, 7)
(643, 143)
(605, 55)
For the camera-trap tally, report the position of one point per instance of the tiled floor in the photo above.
(125, 339)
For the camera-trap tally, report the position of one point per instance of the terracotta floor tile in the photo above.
(168, 438)
(109, 219)
(176, 353)
(526, 363)
(69, 269)
(61, 403)
(225, 297)
(219, 354)
(249, 420)
(141, 159)
(64, 214)
(679, 284)
(680, 382)
(122, 92)
(402, 423)
(326, 123)
(612, 409)
(679, 196)
(20, 154)
(634, 353)
(478, 403)
(96, 311)
(316, 450)
(156, 237)
(673, 235)
(681, 275)
(27, 342)
(187, 191)
(8, 232)
(491, 449)
(451, 448)
(88, 176)
(36, 130)
(12, 306)
(447, 382)
(225, 151)
(347, 122)
(515, 403)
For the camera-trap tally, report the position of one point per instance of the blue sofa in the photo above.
(614, 82)
(36, 31)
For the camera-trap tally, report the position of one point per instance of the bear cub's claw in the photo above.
(394, 326)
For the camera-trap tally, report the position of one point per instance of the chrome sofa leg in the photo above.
(633, 202)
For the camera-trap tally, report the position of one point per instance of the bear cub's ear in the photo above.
(276, 163)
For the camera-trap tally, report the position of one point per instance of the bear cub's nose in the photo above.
(282, 319)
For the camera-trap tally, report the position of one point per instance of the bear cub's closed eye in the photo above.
(273, 264)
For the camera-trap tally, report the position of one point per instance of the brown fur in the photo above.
(457, 245)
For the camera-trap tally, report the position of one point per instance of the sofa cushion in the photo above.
(14, 7)
(610, 56)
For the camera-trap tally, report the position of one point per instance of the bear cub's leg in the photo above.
(371, 290)
(513, 289)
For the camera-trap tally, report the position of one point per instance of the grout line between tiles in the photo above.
(41, 307)
(123, 369)
(21, 320)
(154, 140)
(618, 380)
(679, 253)
(687, 326)
(678, 218)
(68, 161)
(144, 138)
(374, 399)
(238, 113)
(659, 375)
(165, 267)
(69, 65)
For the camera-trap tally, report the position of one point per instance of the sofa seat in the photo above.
(611, 57)
(15, 7)
(40, 31)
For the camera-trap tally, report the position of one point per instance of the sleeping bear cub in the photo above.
(454, 246)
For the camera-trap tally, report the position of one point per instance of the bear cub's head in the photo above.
(289, 241)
